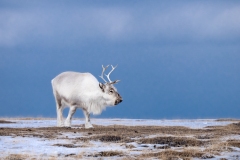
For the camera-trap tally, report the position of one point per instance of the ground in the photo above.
(117, 139)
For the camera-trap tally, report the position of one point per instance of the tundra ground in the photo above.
(124, 142)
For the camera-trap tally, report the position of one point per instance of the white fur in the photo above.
(79, 90)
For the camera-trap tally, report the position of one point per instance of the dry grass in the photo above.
(66, 145)
(156, 141)
(18, 157)
(228, 119)
(234, 143)
(174, 141)
(4, 121)
(216, 147)
(110, 153)
(106, 154)
(109, 138)
(171, 154)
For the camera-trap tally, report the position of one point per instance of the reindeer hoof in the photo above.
(67, 124)
(88, 125)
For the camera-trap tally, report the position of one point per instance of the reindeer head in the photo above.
(110, 92)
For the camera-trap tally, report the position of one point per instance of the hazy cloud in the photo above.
(44, 23)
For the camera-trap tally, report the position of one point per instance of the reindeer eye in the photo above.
(111, 91)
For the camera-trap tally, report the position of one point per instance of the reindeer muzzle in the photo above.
(118, 101)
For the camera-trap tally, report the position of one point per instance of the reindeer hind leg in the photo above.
(59, 108)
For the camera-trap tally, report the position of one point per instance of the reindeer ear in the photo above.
(102, 86)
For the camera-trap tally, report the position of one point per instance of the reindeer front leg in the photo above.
(87, 119)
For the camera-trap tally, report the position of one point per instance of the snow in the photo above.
(41, 147)
(34, 146)
(191, 123)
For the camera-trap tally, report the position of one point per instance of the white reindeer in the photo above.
(82, 90)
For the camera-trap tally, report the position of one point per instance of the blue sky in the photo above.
(176, 59)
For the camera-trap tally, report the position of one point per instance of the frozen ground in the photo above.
(191, 123)
(40, 139)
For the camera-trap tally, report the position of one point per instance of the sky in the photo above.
(176, 59)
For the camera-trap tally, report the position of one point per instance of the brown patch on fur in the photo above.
(74, 104)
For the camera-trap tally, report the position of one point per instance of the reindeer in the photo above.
(82, 90)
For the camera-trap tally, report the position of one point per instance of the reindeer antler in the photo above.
(104, 69)
(110, 73)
